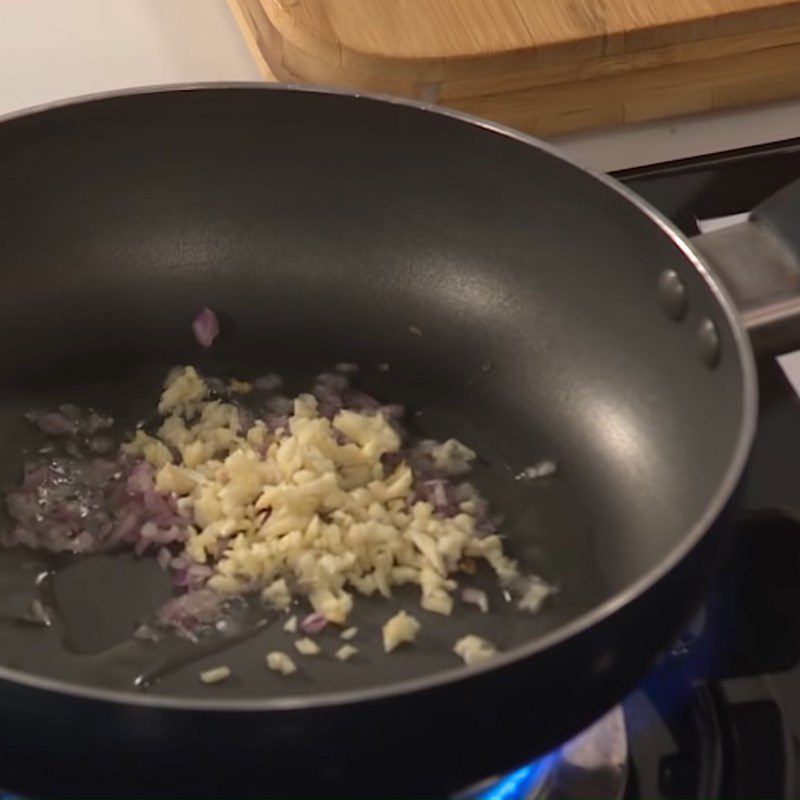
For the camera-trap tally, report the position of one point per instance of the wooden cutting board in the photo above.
(544, 66)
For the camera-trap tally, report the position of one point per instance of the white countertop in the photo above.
(52, 49)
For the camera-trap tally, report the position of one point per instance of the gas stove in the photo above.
(720, 714)
(719, 717)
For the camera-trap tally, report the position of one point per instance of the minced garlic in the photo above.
(215, 675)
(307, 647)
(346, 652)
(401, 628)
(280, 662)
(474, 650)
(290, 626)
(534, 595)
(311, 506)
(240, 387)
(277, 594)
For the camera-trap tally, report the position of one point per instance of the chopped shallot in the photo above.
(206, 327)
(313, 623)
(163, 558)
(268, 383)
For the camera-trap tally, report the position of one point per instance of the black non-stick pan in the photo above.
(560, 318)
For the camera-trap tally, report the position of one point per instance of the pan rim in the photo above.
(576, 626)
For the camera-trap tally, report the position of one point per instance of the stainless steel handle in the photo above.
(762, 273)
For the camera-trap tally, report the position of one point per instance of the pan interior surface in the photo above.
(329, 228)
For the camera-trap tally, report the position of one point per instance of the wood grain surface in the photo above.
(544, 66)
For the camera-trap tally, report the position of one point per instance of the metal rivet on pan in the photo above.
(708, 342)
(672, 294)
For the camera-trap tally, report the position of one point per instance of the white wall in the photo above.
(52, 49)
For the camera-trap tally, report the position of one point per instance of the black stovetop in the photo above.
(728, 697)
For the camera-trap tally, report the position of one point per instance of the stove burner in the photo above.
(525, 783)
(593, 764)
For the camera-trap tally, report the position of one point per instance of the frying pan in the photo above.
(561, 318)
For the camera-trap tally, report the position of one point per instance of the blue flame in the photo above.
(517, 785)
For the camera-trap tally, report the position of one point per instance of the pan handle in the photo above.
(758, 261)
